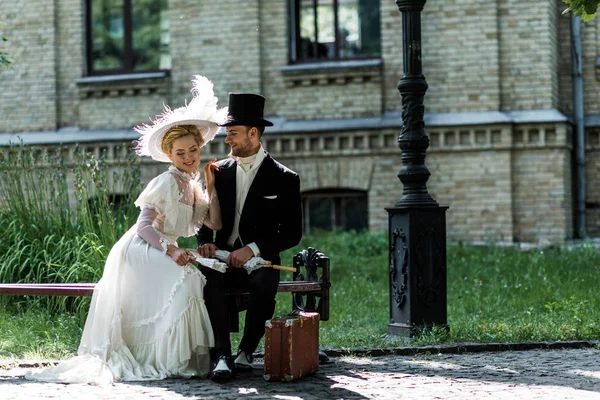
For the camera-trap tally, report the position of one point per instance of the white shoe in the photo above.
(243, 362)
(222, 370)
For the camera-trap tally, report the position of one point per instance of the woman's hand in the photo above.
(209, 175)
(207, 250)
(180, 256)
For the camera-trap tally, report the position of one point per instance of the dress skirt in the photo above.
(147, 321)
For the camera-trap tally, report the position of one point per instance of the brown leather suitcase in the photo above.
(291, 347)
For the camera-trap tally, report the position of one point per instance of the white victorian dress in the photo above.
(147, 318)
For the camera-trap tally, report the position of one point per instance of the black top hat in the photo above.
(246, 109)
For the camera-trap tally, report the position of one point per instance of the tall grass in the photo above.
(58, 221)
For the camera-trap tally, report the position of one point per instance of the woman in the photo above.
(147, 319)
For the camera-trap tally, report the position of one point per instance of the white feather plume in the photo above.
(202, 111)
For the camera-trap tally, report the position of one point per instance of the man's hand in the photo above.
(207, 250)
(238, 258)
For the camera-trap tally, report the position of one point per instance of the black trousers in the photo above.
(262, 286)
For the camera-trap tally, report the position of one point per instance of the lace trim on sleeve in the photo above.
(165, 245)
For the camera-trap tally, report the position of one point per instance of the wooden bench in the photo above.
(309, 288)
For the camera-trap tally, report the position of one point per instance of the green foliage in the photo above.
(586, 9)
(58, 222)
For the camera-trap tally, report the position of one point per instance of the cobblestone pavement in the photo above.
(524, 375)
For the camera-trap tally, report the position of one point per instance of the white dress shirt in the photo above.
(246, 170)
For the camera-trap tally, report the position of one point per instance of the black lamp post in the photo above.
(417, 224)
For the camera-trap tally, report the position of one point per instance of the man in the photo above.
(262, 216)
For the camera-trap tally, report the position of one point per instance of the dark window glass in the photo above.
(108, 40)
(150, 35)
(338, 209)
(125, 36)
(334, 29)
(354, 213)
(319, 213)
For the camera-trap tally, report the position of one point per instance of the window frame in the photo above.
(127, 45)
(294, 37)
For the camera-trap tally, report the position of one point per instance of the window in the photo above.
(341, 209)
(323, 30)
(127, 36)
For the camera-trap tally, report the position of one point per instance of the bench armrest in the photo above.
(312, 266)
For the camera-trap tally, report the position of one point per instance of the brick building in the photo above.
(498, 107)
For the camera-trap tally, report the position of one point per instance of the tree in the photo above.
(586, 9)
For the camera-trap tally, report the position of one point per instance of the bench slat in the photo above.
(299, 287)
(87, 289)
(48, 289)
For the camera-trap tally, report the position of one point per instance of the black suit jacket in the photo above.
(272, 213)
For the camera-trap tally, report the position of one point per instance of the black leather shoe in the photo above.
(222, 370)
(243, 361)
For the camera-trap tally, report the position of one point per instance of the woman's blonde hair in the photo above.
(179, 131)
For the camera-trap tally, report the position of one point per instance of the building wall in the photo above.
(217, 39)
(28, 91)
(470, 58)
(460, 56)
(542, 188)
(527, 45)
(70, 61)
(503, 180)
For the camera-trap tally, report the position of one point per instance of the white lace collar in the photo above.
(187, 177)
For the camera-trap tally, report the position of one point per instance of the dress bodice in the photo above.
(180, 202)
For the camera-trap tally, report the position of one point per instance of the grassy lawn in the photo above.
(494, 295)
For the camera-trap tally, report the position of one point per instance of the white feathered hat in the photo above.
(202, 111)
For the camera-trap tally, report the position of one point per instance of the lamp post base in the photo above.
(417, 269)
(396, 329)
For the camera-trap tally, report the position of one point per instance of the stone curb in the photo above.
(453, 348)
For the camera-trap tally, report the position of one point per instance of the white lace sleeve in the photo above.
(145, 229)
(213, 218)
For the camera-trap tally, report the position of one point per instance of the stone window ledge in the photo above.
(123, 85)
(332, 72)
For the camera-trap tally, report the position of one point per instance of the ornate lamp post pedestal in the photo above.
(417, 224)
(417, 269)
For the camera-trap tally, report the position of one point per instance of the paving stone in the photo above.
(525, 375)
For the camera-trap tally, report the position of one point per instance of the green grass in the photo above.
(494, 295)
(34, 333)
(51, 233)
(507, 295)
